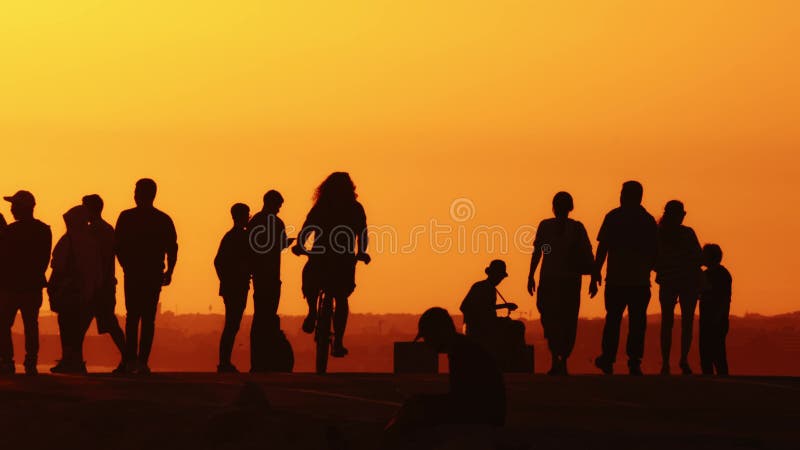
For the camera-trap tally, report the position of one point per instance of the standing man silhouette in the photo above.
(629, 238)
(233, 267)
(25, 251)
(144, 237)
(267, 234)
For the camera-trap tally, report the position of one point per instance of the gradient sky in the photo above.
(503, 103)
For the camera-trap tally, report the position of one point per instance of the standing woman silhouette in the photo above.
(679, 275)
(339, 225)
(564, 248)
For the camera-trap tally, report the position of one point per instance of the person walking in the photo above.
(103, 305)
(678, 274)
(629, 239)
(563, 247)
(144, 237)
(715, 307)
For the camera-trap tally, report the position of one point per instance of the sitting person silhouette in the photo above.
(500, 335)
(477, 390)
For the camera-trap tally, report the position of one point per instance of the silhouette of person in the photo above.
(678, 275)
(233, 266)
(559, 244)
(715, 306)
(479, 307)
(25, 249)
(103, 304)
(339, 225)
(629, 238)
(144, 237)
(477, 390)
(267, 235)
(74, 283)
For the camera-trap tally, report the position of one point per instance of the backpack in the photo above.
(273, 353)
(581, 257)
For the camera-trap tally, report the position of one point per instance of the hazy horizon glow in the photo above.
(503, 103)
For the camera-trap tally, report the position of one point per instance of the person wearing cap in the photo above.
(480, 305)
(477, 391)
(25, 251)
(144, 237)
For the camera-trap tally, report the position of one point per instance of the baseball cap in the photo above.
(22, 198)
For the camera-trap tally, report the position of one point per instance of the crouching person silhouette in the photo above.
(476, 396)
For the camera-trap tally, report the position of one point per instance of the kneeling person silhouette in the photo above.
(477, 390)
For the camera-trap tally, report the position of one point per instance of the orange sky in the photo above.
(500, 102)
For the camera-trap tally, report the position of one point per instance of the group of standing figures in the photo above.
(631, 244)
(82, 283)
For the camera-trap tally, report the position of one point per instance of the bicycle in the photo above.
(323, 330)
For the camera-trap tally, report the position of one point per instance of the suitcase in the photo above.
(415, 357)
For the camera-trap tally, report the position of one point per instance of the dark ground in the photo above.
(178, 411)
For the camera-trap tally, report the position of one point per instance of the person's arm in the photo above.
(305, 232)
(43, 253)
(120, 240)
(535, 258)
(362, 236)
(600, 258)
(221, 260)
(171, 250)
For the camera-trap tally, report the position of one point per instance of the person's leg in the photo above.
(688, 302)
(572, 306)
(234, 310)
(667, 298)
(30, 319)
(638, 298)
(8, 313)
(340, 315)
(133, 308)
(257, 326)
(63, 335)
(544, 304)
(706, 338)
(615, 307)
(149, 311)
(722, 353)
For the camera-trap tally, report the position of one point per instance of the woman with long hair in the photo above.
(679, 275)
(339, 225)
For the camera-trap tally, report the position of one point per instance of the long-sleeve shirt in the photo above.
(24, 255)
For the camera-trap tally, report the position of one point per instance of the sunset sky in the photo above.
(502, 103)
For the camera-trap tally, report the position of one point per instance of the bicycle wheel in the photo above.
(323, 335)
